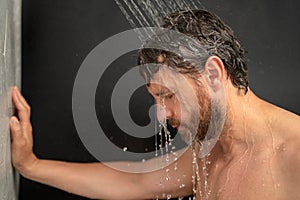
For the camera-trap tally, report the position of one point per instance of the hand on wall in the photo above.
(23, 157)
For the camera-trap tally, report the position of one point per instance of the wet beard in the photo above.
(197, 126)
(194, 128)
(210, 122)
(205, 116)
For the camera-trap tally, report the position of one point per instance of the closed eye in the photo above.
(170, 96)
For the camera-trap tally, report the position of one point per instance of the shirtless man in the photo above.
(255, 157)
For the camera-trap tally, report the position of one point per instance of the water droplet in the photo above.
(143, 160)
(283, 149)
(182, 186)
(169, 196)
(125, 149)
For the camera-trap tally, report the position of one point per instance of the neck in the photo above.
(243, 111)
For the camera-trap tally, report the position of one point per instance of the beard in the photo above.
(195, 126)
(203, 125)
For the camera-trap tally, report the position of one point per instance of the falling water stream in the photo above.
(149, 13)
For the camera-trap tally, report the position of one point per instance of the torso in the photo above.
(251, 177)
(265, 170)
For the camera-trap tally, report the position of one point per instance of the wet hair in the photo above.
(209, 30)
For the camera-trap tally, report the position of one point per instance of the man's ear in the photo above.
(215, 72)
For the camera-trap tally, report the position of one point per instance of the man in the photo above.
(255, 157)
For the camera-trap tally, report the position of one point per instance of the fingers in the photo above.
(15, 128)
(22, 99)
(19, 132)
(22, 107)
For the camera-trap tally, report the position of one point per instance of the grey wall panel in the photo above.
(10, 67)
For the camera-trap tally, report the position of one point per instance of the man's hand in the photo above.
(21, 132)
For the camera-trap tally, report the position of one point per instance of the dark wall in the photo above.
(269, 30)
(58, 35)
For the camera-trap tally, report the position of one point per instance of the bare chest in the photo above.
(244, 178)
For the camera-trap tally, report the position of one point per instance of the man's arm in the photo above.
(94, 180)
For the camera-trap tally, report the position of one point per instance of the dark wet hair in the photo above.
(217, 38)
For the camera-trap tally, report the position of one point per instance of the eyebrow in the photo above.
(163, 92)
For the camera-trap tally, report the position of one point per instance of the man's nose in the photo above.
(163, 112)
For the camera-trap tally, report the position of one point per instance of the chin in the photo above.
(187, 135)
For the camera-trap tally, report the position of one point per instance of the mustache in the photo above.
(173, 122)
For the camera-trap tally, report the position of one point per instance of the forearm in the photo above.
(93, 180)
(97, 181)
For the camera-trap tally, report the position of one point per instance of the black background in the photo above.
(59, 34)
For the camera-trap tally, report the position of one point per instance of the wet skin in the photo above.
(256, 157)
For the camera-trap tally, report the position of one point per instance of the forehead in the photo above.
(167, 79)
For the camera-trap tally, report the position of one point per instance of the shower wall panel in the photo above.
(10, 67)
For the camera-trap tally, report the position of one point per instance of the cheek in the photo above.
(176, 106)
(185, 111)
(204, 108)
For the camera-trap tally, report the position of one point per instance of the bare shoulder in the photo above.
(287, 128)
(290, 132)
(286, 125)
(287, 132)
